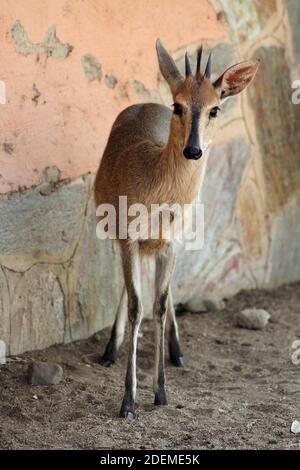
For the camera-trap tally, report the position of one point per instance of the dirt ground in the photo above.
(239, 388)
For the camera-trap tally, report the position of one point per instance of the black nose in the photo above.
(192, 153)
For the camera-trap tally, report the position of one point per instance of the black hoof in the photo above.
(106, 362)
(177, 361)
(160, 399)
(175, 352)
(110, 353)
(127, 414)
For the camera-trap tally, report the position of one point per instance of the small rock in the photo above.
(252, 318)
(213, 304)
(44, 373)
(210, 304)
(295, 428)
(2, 352)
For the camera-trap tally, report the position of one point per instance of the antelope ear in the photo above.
(168, 68)
(236, 78)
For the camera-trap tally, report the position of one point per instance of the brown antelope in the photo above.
(153, 156)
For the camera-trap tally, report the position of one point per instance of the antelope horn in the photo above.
(207, 72)
(188, 69)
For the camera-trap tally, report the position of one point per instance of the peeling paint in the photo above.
(50, 177)
(111, 81)
(144, 93)
(8, 148)
(51, 46)
(51, 174)
(91, 67)
(36, 94)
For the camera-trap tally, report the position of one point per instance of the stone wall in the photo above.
(58, 282)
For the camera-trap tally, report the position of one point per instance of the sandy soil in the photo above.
(239, 388)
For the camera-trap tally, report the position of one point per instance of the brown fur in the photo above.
(143, 158)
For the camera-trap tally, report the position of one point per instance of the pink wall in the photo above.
(69, 122)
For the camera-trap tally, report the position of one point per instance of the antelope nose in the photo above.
(192, 152)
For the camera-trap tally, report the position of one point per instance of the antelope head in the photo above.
(197, 100)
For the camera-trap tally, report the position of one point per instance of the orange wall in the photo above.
(69, 124)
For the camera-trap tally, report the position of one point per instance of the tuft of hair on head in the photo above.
(207, 73)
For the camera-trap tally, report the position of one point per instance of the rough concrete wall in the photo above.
(65, 85)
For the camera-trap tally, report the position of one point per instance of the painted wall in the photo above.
(69, 68)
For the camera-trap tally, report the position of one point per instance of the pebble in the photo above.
(211, 304)
(44, 373)
(2, 352)
(252, 318)
(295, 428)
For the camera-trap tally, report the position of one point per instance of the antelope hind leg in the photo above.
(175, 351)
(117, 333)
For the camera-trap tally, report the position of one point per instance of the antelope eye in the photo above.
(214, 112)
(178, 109)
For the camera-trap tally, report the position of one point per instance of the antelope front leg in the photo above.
(132, 273)
(164, 270)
